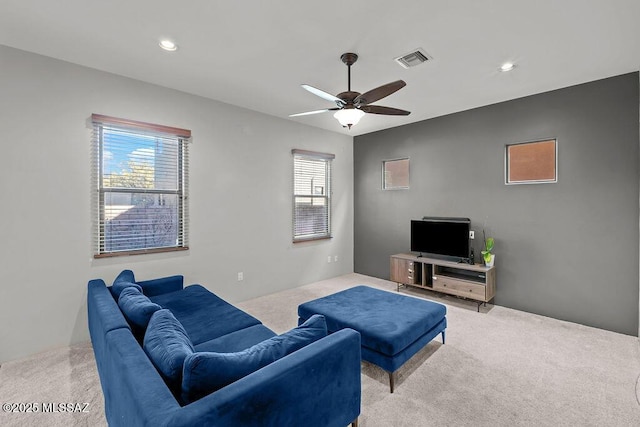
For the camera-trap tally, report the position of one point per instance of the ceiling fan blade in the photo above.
(379, 109)
(313, 112)
(324, 95)
(378, 93)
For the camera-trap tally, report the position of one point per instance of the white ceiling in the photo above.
(256, 53)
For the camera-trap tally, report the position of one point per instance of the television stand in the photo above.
(475, 282)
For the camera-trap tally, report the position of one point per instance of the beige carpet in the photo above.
(500, 367)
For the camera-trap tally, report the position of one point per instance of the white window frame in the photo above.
(316, 190)
(384, 174)
(100, 190)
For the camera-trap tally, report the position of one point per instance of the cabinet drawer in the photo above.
(461, 288)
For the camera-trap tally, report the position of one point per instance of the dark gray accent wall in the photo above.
(567, 250)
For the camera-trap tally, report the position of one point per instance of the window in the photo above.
(395, 174)
(140, 187)
(311, 195)
(533, 162)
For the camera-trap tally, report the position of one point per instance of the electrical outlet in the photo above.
(472, 234)
(329, 258)
(335, 258)
(240, 276)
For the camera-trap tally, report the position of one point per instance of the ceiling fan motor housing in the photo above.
(348, 96)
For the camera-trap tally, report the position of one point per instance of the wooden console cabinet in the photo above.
(475, 282)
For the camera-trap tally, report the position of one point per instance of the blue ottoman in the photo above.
(393, 327)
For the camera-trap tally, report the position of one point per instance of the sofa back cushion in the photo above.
(137, 309)
(167, 345)
(124, 280)
(206, 372)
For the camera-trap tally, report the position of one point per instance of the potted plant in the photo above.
(488, 257)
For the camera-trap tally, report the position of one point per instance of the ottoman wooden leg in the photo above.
(354, 423)
(391, 381)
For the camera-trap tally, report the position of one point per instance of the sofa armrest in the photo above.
(318, 385)
(163, 285)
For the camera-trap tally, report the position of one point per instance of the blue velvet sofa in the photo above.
(310, 384)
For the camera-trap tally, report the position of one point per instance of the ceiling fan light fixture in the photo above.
(348, 116)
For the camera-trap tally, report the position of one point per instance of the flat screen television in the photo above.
(441, 237)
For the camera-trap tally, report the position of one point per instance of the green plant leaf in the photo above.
(489, 244)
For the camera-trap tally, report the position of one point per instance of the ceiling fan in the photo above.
(351, 106)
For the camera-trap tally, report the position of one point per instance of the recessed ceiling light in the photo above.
(507, 66)
(168, 45)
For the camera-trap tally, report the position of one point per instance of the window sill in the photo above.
(312, 239)
(140, 252)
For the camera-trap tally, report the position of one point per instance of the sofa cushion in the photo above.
(238, 340)
(167, 344)
(206, 372)
(204, 315)
(162, 285)
(124, 280)
(137, 309)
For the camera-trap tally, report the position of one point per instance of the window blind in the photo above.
(311, 195)
(140, 187)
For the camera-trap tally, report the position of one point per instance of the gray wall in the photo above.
(240, 198)
(567, 250)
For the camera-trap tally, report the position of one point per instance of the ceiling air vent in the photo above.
(411, 59)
